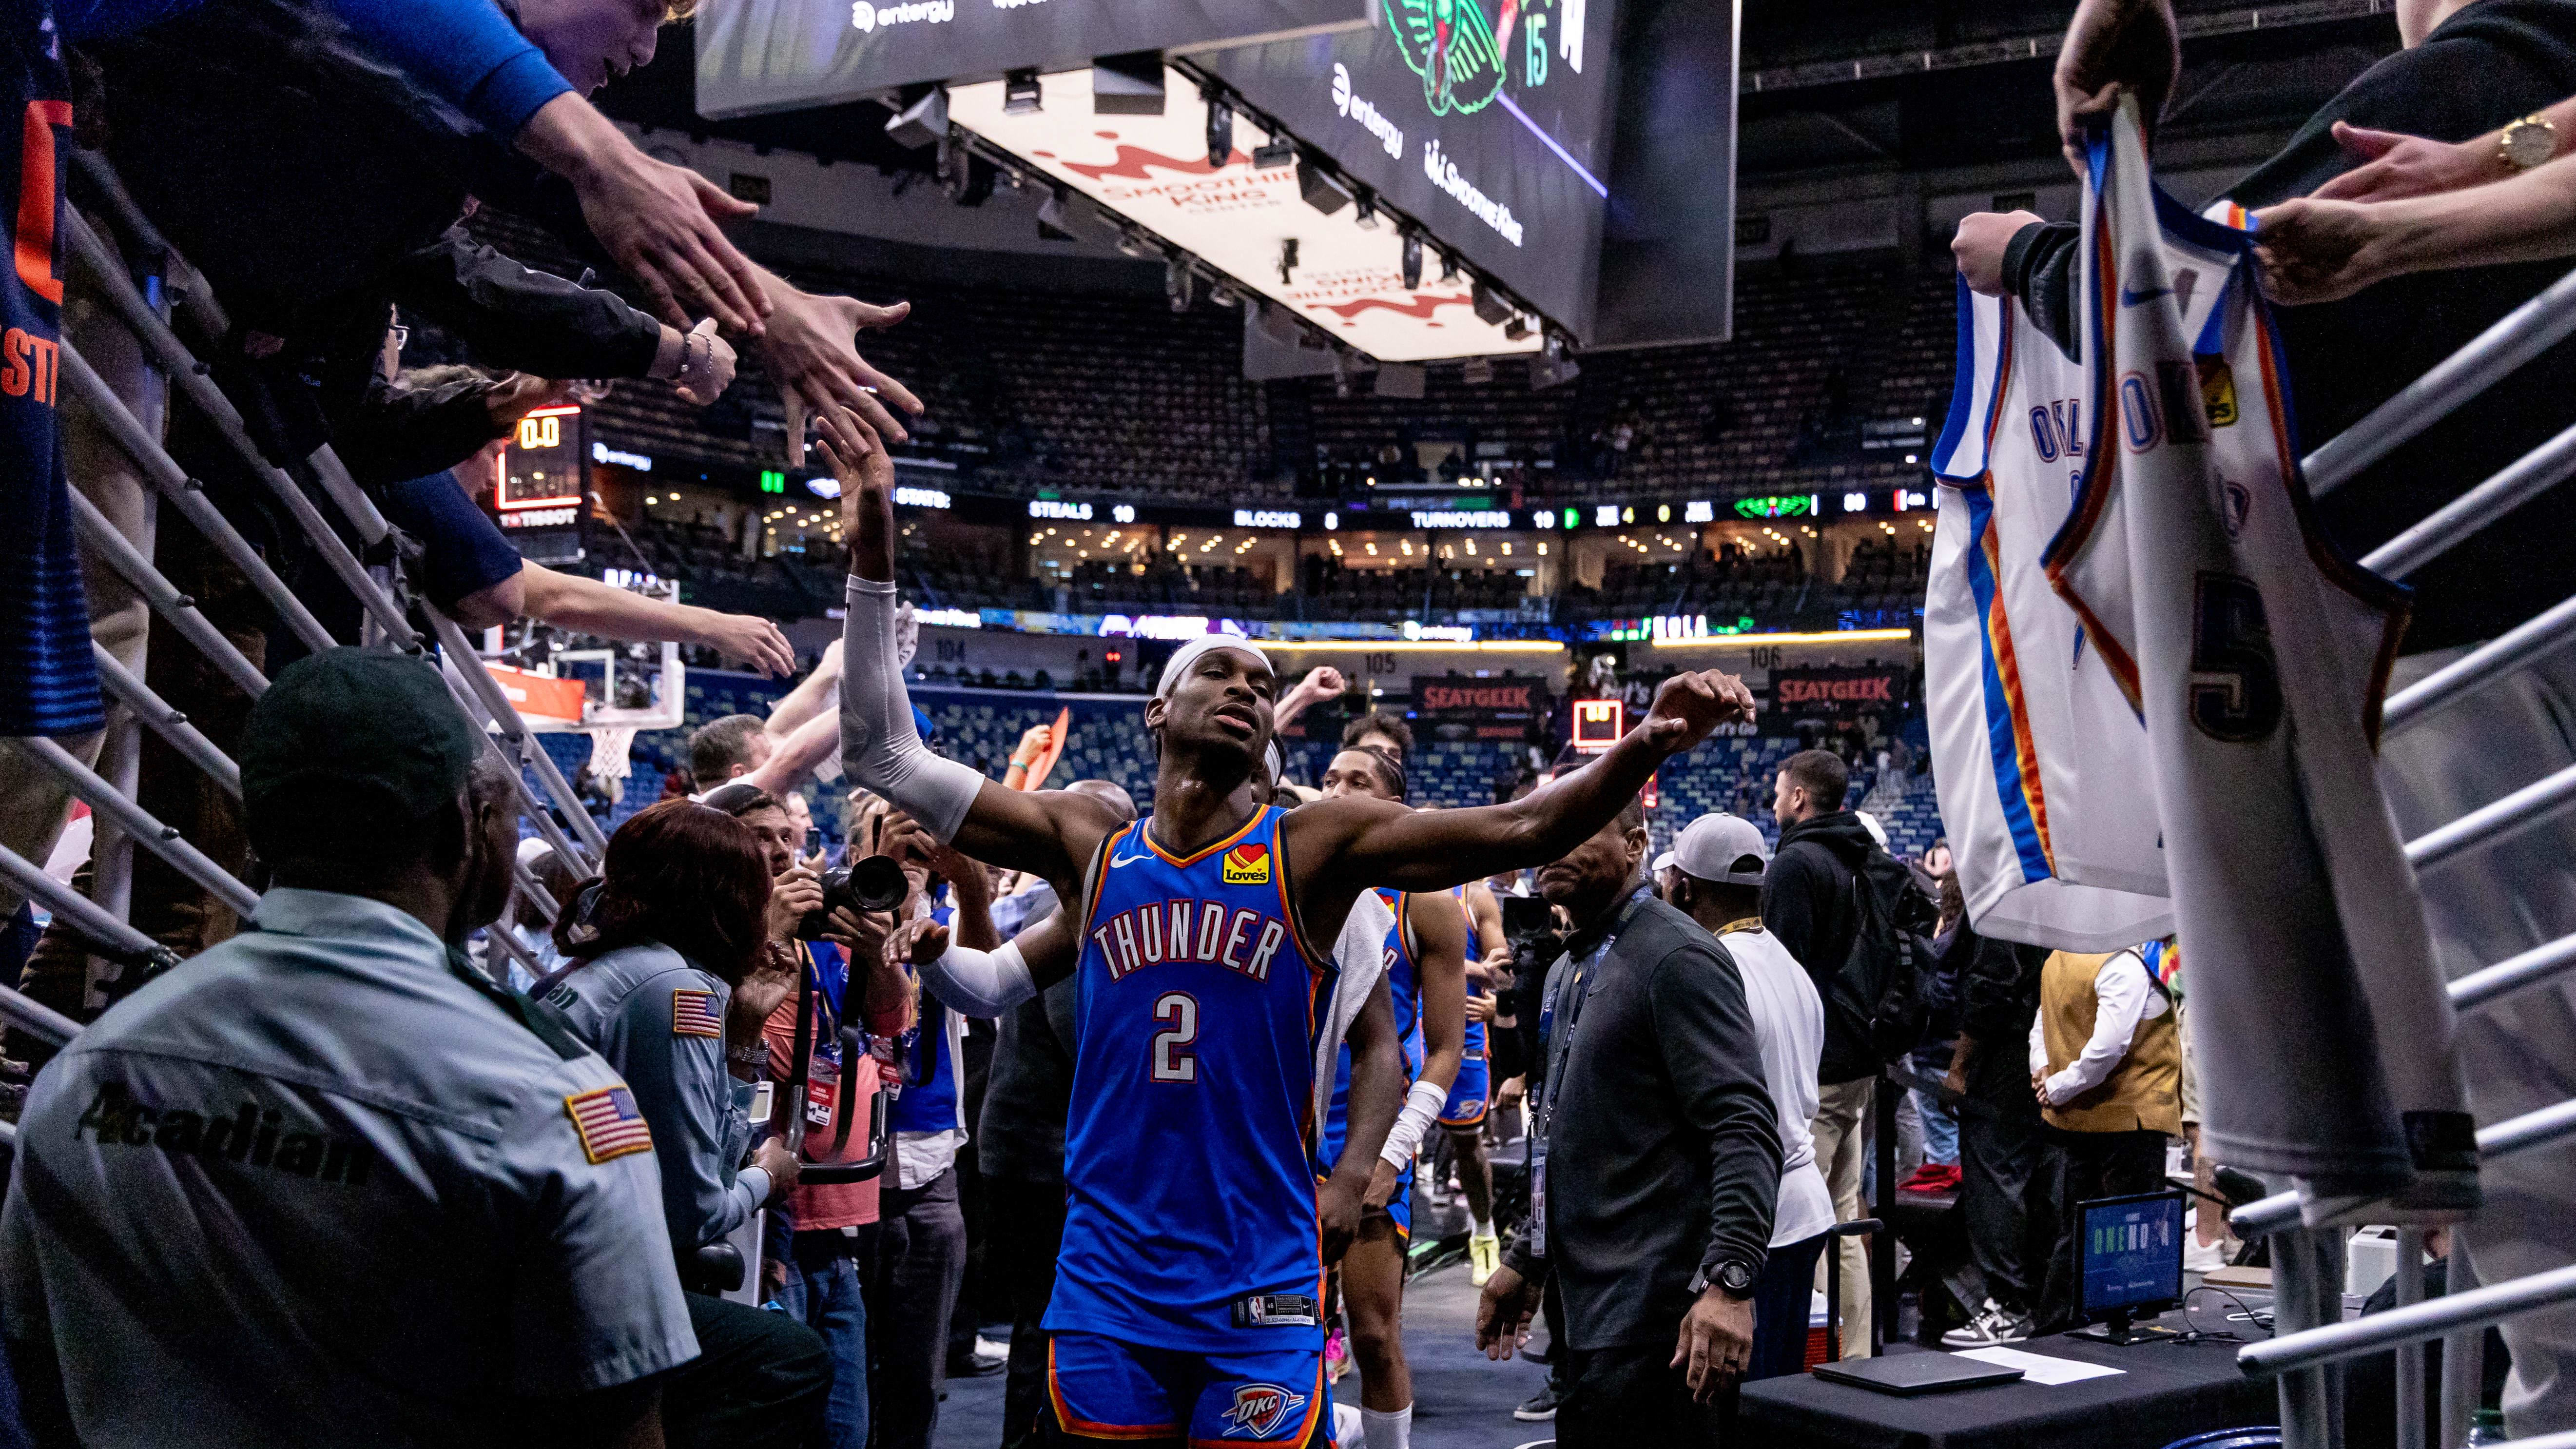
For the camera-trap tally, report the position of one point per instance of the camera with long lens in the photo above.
(871, 883)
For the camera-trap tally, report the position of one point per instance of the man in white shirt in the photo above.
(2106, 1062)
(1716, 870)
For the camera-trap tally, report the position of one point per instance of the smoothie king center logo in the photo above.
(866, 17)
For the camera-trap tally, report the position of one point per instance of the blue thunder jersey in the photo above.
(1475, 951)
(1404, 989)
(44, 614)
(1187, 1162)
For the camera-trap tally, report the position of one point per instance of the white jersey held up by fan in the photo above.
(2256, 655)
(2041, 762)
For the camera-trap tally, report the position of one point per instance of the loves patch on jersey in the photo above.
(1248, 864)
(1260, 1408)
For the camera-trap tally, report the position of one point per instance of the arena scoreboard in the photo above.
(1486, 120)
(769, 55)
(540, 484)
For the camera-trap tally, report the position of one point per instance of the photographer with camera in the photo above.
(921, 1248)
(822, 1231)
(672, 972)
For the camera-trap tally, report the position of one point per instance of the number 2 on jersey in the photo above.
(1173, 1061)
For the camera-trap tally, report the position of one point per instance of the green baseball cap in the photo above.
(350, 741)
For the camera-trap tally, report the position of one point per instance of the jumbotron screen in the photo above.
(770, 55)
(1487, 120)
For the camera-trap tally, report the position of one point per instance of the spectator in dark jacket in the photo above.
(1810, 901)
(1661, 1165)
(2002, 1149)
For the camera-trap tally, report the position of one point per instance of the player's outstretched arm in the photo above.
(987, 983)
(1377, 1092)
(1052, 834)
(1374, 843)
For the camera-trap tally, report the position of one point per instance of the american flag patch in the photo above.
(608, 1123)
(693, 1014)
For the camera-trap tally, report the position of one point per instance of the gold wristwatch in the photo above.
(2526, 143)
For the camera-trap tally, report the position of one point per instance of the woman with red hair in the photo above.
(672, 973)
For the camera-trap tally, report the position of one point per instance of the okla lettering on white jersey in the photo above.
(2256, 655)
(2040, 762)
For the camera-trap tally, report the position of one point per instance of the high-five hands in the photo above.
(811, 351)
(860, 463)
(1689, 705)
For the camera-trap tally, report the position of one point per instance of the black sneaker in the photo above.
(1538, 1408)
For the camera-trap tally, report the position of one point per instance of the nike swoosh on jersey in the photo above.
(2131, 298)
(1116, 861)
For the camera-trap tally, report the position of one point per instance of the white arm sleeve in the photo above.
(981, 983)
(1421, 1108)
(880, 749)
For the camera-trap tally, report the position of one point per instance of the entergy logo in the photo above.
(866, 17)
(1260, 1408)
(1390, 137)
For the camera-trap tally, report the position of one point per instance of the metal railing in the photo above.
(2309, 1335)
(387, 609)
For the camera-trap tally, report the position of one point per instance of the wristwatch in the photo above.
(2527, 143)
(1734, 1277)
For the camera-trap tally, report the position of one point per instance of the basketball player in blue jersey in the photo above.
(1470, 1097)
(1196, 1236)
(1426, 956)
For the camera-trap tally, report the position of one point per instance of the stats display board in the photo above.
(770, 55)
(1488, 120)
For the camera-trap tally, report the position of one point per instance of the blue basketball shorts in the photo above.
(1108, 1389)
(1468, 1095)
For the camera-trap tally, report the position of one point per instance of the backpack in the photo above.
(1890, 953)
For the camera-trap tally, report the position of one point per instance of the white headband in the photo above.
(1188, 654)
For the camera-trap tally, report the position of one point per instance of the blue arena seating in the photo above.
(980, 727)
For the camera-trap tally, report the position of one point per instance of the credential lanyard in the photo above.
(1570, 995)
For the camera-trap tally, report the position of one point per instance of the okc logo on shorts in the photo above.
(1248, 864)
(1260, 1408)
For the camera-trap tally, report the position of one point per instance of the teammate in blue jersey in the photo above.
(1426, 969)
(1196, 1235)
(1463, 1115)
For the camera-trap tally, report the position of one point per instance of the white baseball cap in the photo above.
(1663, 862)
(1713, 848)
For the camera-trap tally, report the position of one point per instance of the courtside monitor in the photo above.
(2129, 1257)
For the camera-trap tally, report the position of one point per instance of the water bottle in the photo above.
(2486, 1426)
